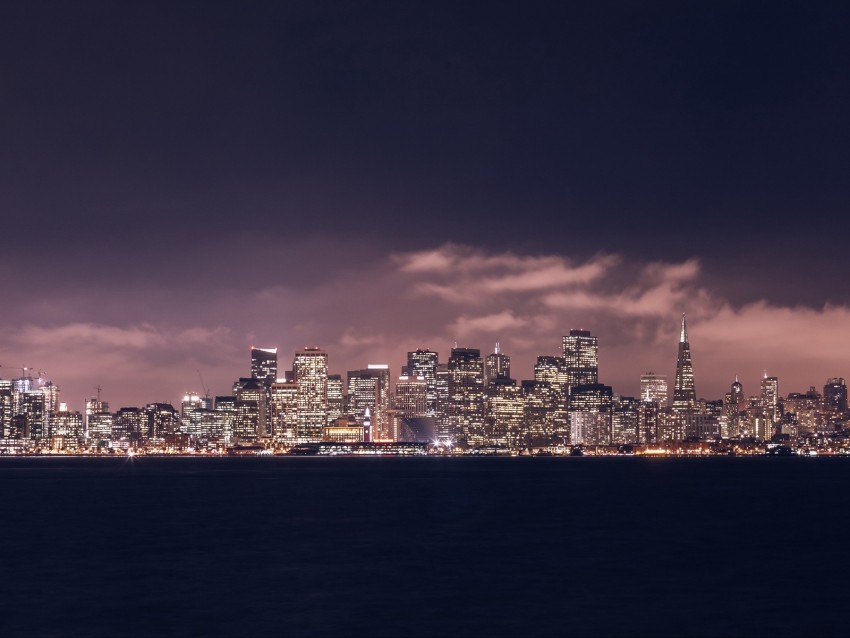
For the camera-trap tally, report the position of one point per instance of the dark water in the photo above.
(423, 547)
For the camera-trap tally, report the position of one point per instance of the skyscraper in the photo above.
(311, 375)
(465, 403)
(283, 409)
(370, 388)
(581, 352)
(336, 398)
(264, 365)
(423, 363)
(835, 395)
(264, 370)
(770, 398)
(684, 395)
(653, 387)
(734, 405)
(411, 396)
(497, 366)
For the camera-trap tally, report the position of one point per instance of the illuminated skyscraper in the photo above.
(465, 402)
(264, 371)
(581, 353)
(264, 364)
(541, 402)
(625, 421)
(162, 420)
(770, 398)
(590, 414)
(370, 388)
(553, 371)
(311, 376)
(129, 424)
(283, 410)
(423, 363)
(336, 398)
(654, 388)
(497, 366)
(69, 426)
(684, 395)
(51, 405)
(31, 416)
(250, 391)
(734, 405)
(505, 422)
(6, 412)
(98, 421)
(835, 395)
(411, 396)
(225, 412)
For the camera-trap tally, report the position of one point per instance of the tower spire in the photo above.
(684, 395)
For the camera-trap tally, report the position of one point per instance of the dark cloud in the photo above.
(378, 308)
(282, 172)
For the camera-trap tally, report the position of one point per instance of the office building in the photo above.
(311, 375)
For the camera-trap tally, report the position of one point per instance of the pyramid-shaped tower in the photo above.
(684, 395)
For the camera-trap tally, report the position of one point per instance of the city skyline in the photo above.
(177, 186)
(583, 365)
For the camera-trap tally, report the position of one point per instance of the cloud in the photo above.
(147, 342)
(465, 326)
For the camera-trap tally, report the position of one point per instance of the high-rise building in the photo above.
(20, 386)
(264, 364)
(264, 371)
(162, 420)
(336, 398)
(370, 389)
(423, 363)
(191, 403)
(654, 388)
(98, 423)
(835, 395)
(590, 414)
(734, 405)
(441, 383)
(465, 402)
(648, 422)
(770, 399)
(31, 415)
(250, 391)
(581, 353)
(684, 394)
(553, 370)
(129, 424)
(505, 414)
(411, 396)
(283, 410)
(311, 376)
(497, 366)
(625, 420)
(542, 402)
(6, 412)
(225, 410)
(51, 405)
(68, 426)
(807, 409)
(246, 421)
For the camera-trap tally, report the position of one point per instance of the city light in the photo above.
(468, 405)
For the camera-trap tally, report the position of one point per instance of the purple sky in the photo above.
(179, 182)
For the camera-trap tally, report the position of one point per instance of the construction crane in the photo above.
(23, 369)
(203, 385)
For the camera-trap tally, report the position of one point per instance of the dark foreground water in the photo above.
(424, 547)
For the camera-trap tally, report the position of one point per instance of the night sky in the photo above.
(179, 181)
